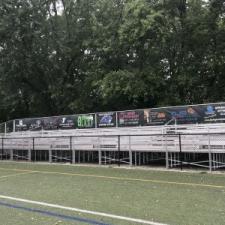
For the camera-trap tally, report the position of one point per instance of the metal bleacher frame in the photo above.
(201, 145)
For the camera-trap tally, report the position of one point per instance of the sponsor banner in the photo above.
(172, 115)
(67, 122)
(28, 124)
(155, 117)
(130, 118)
(36, 124)
(32, 124)
(21, 125)
(51, 123)
(85, 121)
(106, 119)
(207, 113)
(214, 113)
(185, 114)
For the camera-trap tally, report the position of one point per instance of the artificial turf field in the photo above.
(163, 197)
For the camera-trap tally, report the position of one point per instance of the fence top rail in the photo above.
(114, 135)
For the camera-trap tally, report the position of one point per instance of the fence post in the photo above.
(119, 149)
(180, 147)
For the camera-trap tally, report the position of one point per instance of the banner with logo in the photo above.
(206, 113)
(130, 118)
(22, 124)
(85, 121)
(36, 124)
(67, 122)
(179, 115)
(214, 113)
(185, 114)
(106, 119)
(32, 124)
(51, 123)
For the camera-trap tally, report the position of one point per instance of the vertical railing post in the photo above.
(119, 149)
(180, 148)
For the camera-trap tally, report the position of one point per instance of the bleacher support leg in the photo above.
(50, 156)
(99, 157)
(29, 155)
(73, 156)
(130, 157)
(11, 154)
(210, 154)
(130, 152)
(135, 158)
(167, 160)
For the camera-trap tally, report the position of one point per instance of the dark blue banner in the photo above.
(106, 119)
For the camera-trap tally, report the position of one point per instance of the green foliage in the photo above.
(66, 56)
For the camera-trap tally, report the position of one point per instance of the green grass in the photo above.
(172, 203)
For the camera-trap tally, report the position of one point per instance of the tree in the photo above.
(66, 56)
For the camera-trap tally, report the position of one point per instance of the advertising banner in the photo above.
(178, 115)
(67, 122)
(32, 124)
(195, 114)
(51, 123)
(130, 118)
(106, 119)
(35, 124)
(21, 125)
(85, 121)
(214, 113)
(185, 114)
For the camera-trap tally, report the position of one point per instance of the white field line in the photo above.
(81, 210)
(15, 174)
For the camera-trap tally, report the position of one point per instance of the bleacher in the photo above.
(193, 144)
(195, 138)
